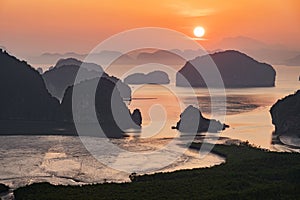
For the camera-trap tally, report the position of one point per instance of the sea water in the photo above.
(65, 160)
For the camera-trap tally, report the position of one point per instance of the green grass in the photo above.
(248, 173)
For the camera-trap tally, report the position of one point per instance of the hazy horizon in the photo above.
(80, 26)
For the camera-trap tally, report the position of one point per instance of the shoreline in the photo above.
(52, 158)
(236, 178)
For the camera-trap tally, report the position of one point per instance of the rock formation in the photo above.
(137, 117)
(236, 69)
(286, 115)
(192, 121)
(26, 106)
(63, 75)
(112, 114)
(155, 77)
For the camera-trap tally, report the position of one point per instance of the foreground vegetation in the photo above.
(3, 188)
(248, 173)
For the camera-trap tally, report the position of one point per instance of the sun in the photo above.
(199, 31)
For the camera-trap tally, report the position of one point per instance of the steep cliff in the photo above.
(23, 93)
(286, 115)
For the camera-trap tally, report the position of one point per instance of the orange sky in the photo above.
(33, 27)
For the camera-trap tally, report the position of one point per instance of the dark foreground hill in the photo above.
(27, 108)
(23, 92)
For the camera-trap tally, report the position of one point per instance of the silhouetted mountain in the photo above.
(115, 57)
(23, 93)
(286, 115)
(236, 69)
(28, 108)
(69, 61)
(145, 56)
(155, 77)
(190, 54)
(159, 56)
(192, 121)
(58, 79)
(75, 62)
(271, 53)
(103, 57)
(112, 113)
(263, 52)
(124, 89)
(137, 57)
(243, 42)
(295, 61)
(49, 58)
(64, 73)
